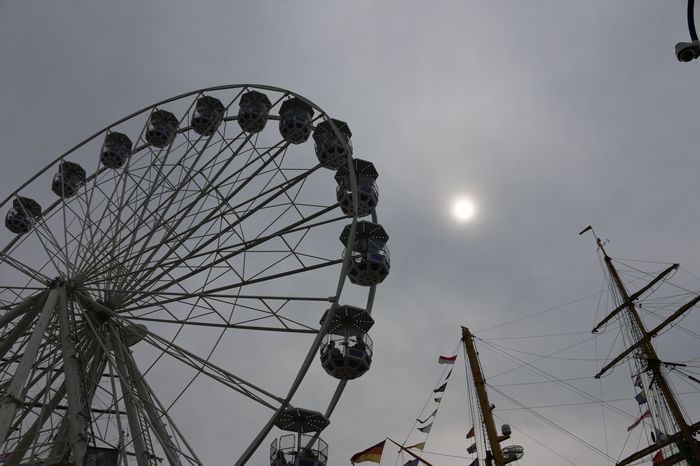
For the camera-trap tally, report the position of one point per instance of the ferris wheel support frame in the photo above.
(136, 396)
(14, 395)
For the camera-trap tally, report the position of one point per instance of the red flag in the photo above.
(638, 381)
(373, 454)
(647, 413)
(658, 459)
(447, 359)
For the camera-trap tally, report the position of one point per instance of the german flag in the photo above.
(373, 454)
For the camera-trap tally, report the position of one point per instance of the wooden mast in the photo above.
(484, 405)
(645, 346)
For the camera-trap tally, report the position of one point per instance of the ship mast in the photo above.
(484, 405)
(688, 446)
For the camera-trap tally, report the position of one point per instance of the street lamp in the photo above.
(688, 51)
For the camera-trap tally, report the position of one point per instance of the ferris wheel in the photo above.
(157, 245)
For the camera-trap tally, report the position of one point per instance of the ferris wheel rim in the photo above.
(333, 300)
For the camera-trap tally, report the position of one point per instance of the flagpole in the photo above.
(485, 406)
(409, 452)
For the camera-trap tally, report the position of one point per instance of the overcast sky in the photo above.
(552, 115)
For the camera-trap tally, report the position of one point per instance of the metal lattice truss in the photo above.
(228, 232)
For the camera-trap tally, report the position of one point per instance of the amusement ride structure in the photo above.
(206, 212)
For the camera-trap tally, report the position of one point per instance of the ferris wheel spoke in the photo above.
(177, 217)
(208, 218)
(213, 371)
(242, 283)
(244, 323)
(224, 326)
(35, 276)
(222, 214)
(170, 348)
(238, 249)
(140, 394)
(294, 228)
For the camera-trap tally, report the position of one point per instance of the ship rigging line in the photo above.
(558, 381)
(560, 455)
(557, 426)
(549, 309)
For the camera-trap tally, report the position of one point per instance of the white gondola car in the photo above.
(68, 180)
(300, 449)
(332, 148)
(116, 150)
(207, 116)
(295, 120)
(347, 350)
(368, 195)
(21, 217)
(253, 112)
(369, 264)
(162, 128)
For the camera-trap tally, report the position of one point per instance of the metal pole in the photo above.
(653, 361)
(77, 438)
(485, 406)
(14, 396)
(132, 413)
(171, 452)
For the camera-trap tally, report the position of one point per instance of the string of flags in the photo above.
(641, 399)
(374, 453)
(646, 414)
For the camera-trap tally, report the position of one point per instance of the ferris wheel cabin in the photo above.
(300, 449)
(369, 264)
(368, 195)
(207, 116)
(161, 128)
(253, 112)
(332, 149)
(21, 217)
(116, 150)
(347, 350)
(68, 180)
(295, 120)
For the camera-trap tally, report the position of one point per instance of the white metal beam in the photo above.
(14, 396)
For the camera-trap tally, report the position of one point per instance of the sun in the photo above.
(463, 209)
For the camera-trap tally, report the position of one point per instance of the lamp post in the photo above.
(688, 51)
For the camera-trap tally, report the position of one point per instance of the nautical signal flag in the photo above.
(661, 437)
(372, 454)
(658, 459)
(641, 397)
(475, 462)
(418, 446)
(646, 413)
(437, 399)
(447, 359)
(638, 381)
(470, 434)
(441, 388)
(426, 429)
(427, 418)
(412, 462)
